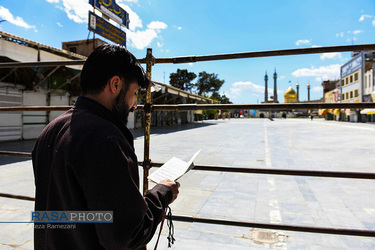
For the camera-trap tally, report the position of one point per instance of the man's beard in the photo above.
(120, 108)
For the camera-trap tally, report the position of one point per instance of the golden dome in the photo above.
(290, 95)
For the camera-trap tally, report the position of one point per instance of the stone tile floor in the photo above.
(284, 144)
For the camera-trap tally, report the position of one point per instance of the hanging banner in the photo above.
(101, 27)
(112, 10)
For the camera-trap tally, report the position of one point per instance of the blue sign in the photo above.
(352, 66)
(112, 10)
(106, 30)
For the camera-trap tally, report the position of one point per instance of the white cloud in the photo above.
(357, 31)
(300, 42)
(373, 23)
(77, 10)
(179, 28)
(135, 20)
(18, 21)
(322, 73)
(363, 17)
(332, 55)
(156, 25)
(341, 34)
(351, 39)
(141, 39)
(245, 87)
(59, 24)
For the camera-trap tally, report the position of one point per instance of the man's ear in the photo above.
(115, 84)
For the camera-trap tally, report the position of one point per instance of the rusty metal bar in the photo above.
(40, 64)
(297, 228)
(186, 107)
(283, 52)
(293, 172)
(322, 230)
(147, 109)
(15, 154)
(276, 106)
(189, 59)
(16, 196)
(34, 108)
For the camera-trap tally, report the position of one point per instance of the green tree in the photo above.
(224, 100)
(209, 83)
(182, 79)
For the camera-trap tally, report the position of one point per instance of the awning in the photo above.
(368, 112)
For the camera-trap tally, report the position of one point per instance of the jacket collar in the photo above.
(98, 109)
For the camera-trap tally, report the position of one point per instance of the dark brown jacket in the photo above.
(84, 161)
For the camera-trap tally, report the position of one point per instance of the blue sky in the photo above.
(200, 27)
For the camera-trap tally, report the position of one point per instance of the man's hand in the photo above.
(173, 186)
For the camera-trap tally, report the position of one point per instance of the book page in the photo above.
(190, 162)
(172, 169)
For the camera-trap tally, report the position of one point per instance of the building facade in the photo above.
(357, 82)
(59, 86)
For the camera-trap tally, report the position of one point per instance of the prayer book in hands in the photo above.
(172, 169)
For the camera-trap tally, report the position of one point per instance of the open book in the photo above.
(172, 169)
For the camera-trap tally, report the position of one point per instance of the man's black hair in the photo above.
(107, 61)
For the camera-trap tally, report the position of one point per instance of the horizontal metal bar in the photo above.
(19, 197)
(268, 53)
(186, 107)
(189, 59)
(264, 106)
(307, 229)
(296, 228)
(15, 154)
(34, 108)
(313, 173)
(322, 230)
(40, 64)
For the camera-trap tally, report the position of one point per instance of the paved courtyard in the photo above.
(284, 144)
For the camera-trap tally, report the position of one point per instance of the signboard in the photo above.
(112, 10)
(352, 66)
(105, 29)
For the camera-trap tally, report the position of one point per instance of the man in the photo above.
(84, 160)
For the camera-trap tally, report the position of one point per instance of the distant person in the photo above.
(311, 117)
(85, 161)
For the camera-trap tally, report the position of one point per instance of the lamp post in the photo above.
(308, 92)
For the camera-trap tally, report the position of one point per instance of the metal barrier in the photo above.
(148, 108)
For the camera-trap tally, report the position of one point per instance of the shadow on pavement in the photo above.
(171, 129)
(16, 146)
(28, 145)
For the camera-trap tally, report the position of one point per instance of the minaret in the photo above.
(275, 87)
(265, 88)
(308, 92)
(297, 86)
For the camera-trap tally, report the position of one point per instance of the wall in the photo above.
(10, 122)
(58, 100)
(34, 121)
